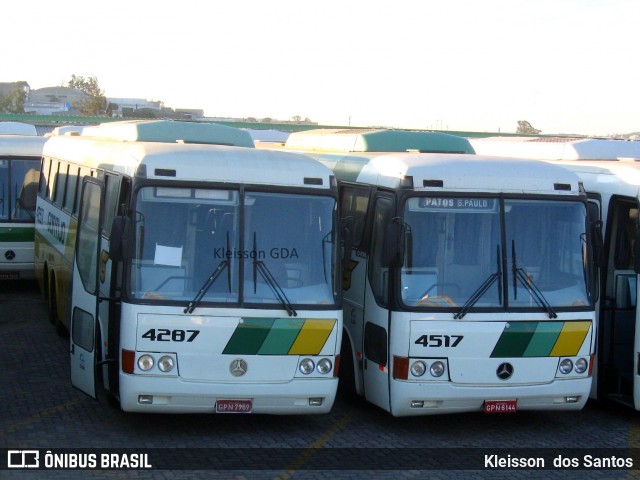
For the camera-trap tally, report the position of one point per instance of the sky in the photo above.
(566, 66)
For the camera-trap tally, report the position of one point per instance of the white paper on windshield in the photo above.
(171, 256)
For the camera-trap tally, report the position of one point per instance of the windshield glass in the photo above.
(456, 257)
(18, 189)
(293, 237)
(546, 243)
(191, 240)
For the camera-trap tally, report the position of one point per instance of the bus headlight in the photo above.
(306, 366)
(581, 365)
(324, 366)
(165, 364)
(566, 366)
(437, 369)
(418, 368)
(145, 362)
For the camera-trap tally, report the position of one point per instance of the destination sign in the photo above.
(453, 204)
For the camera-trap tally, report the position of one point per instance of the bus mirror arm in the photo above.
(119, 232)
(597, 243)
(393, 246)
(347, 238)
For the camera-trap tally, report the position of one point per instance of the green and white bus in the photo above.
(610, 172)
(469, 283)
(20, 153)
(202, 272)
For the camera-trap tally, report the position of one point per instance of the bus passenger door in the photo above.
(377, 363)
(619, 346)
(84, 296)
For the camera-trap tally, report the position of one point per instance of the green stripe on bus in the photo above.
(16, 234)
(281, 337)
(514, 339)
(544, 339)
(248, 336)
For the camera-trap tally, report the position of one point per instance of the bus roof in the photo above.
(21, 145)
(607, 177)
(168, 131)
(557, 148)
(451, 172)
(377, 140)
(191, 162)
(17, 128)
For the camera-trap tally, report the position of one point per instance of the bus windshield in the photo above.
(18, 189)
(228, 247)
(457, 257)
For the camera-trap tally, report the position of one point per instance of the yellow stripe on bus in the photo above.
(571, 339)
(312, 336)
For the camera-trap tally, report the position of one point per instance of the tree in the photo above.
(14, 102)
(95, 103)
(525, 128)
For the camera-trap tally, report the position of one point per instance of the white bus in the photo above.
(468, 287)
(610, 171)
(20, 153)
(203, 276)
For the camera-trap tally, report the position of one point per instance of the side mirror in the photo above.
(117, 237)
(393, 246)
(636, 251)
(597, 244)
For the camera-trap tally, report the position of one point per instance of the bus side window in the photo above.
(43, 190)
(379, 273)
(61, 184)
(72, 185)
(354, 205)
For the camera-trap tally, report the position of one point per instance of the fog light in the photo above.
(566, 366)
(316, 402)
(418, 368)
(574, 399)
(417, 403)
(145, 399)
(306, 366)
(437, 369)
(581, 365)
(165, 364)
(324, 366)
(145, 362)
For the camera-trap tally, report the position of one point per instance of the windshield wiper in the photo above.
(259, 266)
(482, 289)
(210, 281)
(527, 282)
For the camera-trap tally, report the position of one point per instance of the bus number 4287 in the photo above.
(166, 335)
(436, 341)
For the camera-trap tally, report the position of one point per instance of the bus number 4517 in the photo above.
(439, 340)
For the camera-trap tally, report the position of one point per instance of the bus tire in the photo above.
(53, 312)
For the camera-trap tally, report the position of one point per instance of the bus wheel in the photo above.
(53, 312)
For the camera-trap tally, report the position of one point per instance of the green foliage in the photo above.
(14, 102)
(525, 128)
(95, 103)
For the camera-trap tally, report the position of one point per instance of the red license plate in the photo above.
(234, 406)
(500, 406)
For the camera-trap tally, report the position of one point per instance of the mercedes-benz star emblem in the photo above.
(10, 255)
(504, 371)
(238, 367)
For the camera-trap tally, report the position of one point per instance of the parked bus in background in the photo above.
(468, 287)
(20, 153)
(201, 276)
(610, 171)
